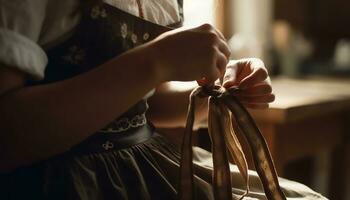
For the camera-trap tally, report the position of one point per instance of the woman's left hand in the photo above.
(251, 76)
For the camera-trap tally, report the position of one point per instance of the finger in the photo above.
(218, 81)
(207, 81)
(258, 75)
(206, 27)
(256, 99)
(230, 78)
(256, 106)
(210, 28)
(210, 76)
(225, 49)
(223, 46)
(220, 34)
(256, 90)
(202, 82)
(221, 63)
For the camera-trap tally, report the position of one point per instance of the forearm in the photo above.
(168, 107)
(41, 121)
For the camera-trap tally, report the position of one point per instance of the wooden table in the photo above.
(308, 118)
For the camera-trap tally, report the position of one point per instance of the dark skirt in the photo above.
(148, 170)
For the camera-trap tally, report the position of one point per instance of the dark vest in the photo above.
(103, 33)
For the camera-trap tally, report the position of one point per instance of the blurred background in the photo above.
(305, 44)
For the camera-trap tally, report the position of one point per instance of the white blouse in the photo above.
(28, 26)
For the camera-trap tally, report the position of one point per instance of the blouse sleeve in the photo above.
(20, 26)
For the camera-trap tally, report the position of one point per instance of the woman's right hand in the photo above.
(190, 54)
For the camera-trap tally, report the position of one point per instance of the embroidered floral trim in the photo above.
(146, 36)
(125, 124)
(108, 145)
(129, 35)
(98, 12)
(75, 55)
(124, 30)
(134, 38)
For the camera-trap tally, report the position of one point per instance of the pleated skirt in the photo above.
(147, 170)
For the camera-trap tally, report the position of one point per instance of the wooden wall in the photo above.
(323, 21)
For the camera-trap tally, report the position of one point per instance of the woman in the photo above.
(75, 79)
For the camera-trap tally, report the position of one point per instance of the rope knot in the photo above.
(215, 91)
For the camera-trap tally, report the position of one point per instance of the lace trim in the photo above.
(125, 124)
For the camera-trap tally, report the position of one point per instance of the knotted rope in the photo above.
(222, 105)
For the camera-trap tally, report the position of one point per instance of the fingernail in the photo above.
(202, 81)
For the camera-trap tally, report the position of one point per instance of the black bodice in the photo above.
(104, 32)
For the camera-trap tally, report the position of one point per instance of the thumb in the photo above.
(230, 77)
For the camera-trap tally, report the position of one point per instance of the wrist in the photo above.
(146, 57)
(158, 68)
